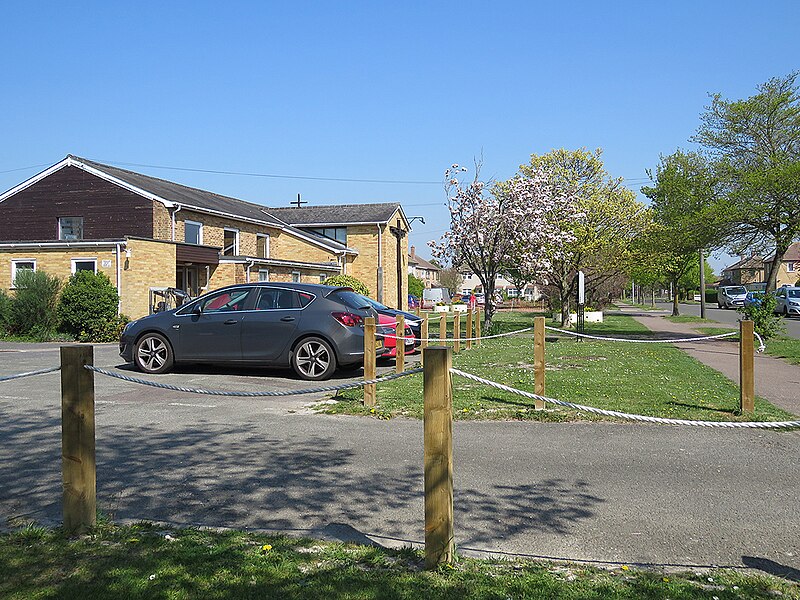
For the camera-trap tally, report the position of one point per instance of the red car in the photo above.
(388, 327)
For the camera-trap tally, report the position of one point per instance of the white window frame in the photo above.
(265, 236)
(14, 262)
(265, 276)
(296, 277)
(322, 277)
(83, 222)
(790, 266)
(199, 233)
(235, 241)
(87, 259)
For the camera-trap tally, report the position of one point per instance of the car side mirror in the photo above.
(197, 309)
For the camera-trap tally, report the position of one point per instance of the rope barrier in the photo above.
(614, 413)
(177, 388)
(30, 373)
(463, 339)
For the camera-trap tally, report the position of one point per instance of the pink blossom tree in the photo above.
(516, 222)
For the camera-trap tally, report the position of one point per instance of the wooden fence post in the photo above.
(457, 332)
(438, 435)
(400, 344)
(469, 329)
(416, 310)
(423, 331)
(78, 470)
(477, 325)
(443, 328)
(746, 372)
(370, 357)
(538, 360)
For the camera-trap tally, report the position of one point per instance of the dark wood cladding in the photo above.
(108, 211)
(199, 255)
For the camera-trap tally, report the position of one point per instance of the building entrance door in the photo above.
(187, 278)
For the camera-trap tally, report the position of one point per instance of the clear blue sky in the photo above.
(372, 90)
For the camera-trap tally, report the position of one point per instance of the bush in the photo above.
(348, 281)
(88, 307)
(766, 323)
(415, 286)
(5, 311)
(33, 308)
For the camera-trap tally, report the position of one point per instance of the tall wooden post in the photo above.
(423, 331)
(400, 344)
(443, 328)
(538, 360)
(746, 371)
(477, 325)
(416, 310)
(78, 470)
(457, 332)
(438, 435)
(469, 328)
(370, 357)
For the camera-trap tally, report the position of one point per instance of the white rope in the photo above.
(614, 413)
(30, 373)
(464, 339)
(177, 388)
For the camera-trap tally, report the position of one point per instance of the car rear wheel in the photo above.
(153, 354)
(313, 359)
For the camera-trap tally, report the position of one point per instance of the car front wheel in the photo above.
(313, 359)
(153, 354)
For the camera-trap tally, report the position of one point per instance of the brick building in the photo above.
(147, 233)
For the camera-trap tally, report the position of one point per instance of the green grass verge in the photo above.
(145, 561)
(784, 347)
(687, 319)
(649, 379)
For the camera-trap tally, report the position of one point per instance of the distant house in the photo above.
(423, 269)
(755, 269)
(147, 234)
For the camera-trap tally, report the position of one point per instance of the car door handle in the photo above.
(287, 319)
(231, 322)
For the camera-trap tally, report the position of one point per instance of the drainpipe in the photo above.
(380, 263)
(119, 279)
(174, 212)
(250, 263)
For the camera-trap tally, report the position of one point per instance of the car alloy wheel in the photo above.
(313, 359)
(153, 354)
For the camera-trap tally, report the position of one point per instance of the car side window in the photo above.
(272, 299)
(287, 299)
(229, 300)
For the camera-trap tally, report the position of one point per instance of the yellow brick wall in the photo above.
(786, 277)
(162, 222)
(151, 264)
(288, 247)
(58, 262)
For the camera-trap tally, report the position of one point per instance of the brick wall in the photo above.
(151, 264)
(58, 262)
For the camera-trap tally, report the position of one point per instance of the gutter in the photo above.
(174, 212)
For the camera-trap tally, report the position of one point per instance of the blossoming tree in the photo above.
(516, 222)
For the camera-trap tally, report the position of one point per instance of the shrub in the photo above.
(766, 323)
(415, 286)
(33, 308)
(88, 307)
(5, 311)
(348, 281)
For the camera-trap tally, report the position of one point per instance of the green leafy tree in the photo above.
(348, 281)
(765, 322)
(755, 143)
(33, 308)
(88, 308)
(610, 219)
(451, 279)
(415, 286)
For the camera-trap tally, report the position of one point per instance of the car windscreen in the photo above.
(793, 293)
(350, 299)
(375, 303)
(735, 291)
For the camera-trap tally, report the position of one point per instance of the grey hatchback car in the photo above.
(312, 328)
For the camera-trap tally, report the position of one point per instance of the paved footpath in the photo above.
(776, 380)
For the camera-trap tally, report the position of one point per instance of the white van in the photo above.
(432, 296)
(730, 296)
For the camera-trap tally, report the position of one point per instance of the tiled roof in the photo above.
(753, 262)
(340, 214)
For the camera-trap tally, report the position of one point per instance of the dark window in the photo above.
(305, 299)
(70, 228)
(338, 234)
(192, 232)
(225, 301)
(351, 299)
(84, 265)
(231, 243)
(262, 246)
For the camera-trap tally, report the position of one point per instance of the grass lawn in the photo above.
(687, 319)
(145, 561)
(785, 347)
(650, 379)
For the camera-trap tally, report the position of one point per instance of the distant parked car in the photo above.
(730, 296)
(788, 300)
(433, 296)
(753, 298)
(388, 328)
(413, 301)
(412, 320)
(312, 328)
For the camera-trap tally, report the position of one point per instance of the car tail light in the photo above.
(348, 319)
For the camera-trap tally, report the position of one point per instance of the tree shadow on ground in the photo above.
(773, 568)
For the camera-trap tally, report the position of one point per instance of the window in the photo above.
(322, 277)
(335, 233)
(296, 276)
(790, 267)
(263, 274)
(230, 245)
(70, 228)
(262, 245)
(192, 232)
(84, 264)
(21, 265)
(225, 301)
